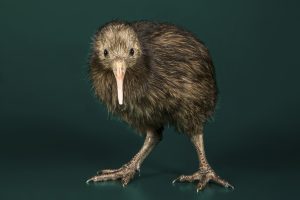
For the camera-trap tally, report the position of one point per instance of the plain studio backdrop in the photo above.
(55, 134)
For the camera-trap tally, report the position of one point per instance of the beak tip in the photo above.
(120, 102)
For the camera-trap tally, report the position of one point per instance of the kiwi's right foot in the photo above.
(124, 173)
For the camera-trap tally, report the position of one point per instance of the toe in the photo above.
(126, 179)
(107, 171)
(185, 178)
(104, 177)
(222, 182)
(202, 183)
(180, 179)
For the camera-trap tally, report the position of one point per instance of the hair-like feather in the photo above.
(171, 80)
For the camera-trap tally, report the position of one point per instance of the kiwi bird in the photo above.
(150, 75)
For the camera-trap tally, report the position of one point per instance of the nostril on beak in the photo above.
(119, 70)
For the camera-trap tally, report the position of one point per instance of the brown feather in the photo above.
(170, 81)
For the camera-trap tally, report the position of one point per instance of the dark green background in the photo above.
(55, 134)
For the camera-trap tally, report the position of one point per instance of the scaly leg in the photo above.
(205, 172)
(127, 171)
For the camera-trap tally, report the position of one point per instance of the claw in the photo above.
(200, 188)
(124, 183)
(229, 186)
(174, 181)
(89, 181)
(139, 171)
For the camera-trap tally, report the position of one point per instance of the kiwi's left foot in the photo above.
(203, 176)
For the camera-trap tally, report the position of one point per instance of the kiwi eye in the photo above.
(105, 53)
(131, 52)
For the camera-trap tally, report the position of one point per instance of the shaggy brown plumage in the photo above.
(172, 80)
(152, 74)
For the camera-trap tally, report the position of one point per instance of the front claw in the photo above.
(125, 174)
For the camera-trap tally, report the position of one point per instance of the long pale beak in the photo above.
(119, 69)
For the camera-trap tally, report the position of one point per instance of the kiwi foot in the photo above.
(203, 176)
(124, 173)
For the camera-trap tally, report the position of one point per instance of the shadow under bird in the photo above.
(151, 74)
